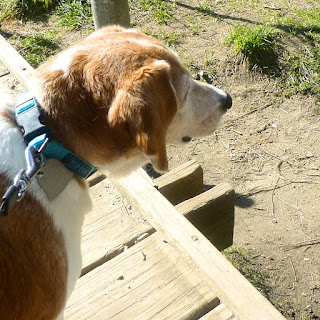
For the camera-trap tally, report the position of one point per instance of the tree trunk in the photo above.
(109, 12)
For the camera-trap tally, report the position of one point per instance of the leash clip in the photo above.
(23, 179)
(35, 161)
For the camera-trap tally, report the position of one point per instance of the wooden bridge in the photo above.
(160, 260)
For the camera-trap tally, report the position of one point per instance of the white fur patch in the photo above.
(67, 209)
(63, 60)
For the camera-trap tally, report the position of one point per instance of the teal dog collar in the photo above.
(32, 122)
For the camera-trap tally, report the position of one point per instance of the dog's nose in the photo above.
(227, 102)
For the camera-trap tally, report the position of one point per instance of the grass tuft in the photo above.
(205, 8)
(74, 13)
(38, 48)
(171, 39)
(302, 73)
(243, 261)
(26, 8)
(257, 45)
(161, 10)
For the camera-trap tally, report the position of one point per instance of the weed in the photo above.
(302, 73)
(161, 10)
(240, 258)
(206, 8)
(194, 25)
(74, 13)
(206, 73)
(38, 48)
(25, 8)
(300, 22)
(257, 45)
(171, 39)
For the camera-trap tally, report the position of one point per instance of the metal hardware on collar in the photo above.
(39, 145)
(55, 150)
(31, 120)
(22, 180)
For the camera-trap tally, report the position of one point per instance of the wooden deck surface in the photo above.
(131, 271)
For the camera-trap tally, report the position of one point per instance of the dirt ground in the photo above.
(267, 147)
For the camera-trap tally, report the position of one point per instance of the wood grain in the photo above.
(148, 281)
(233, 289)
(15, 63)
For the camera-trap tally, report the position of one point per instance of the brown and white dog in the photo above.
(115, 99)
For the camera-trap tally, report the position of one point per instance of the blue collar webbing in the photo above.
(31, 119)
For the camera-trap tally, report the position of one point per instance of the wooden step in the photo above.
(151, 280)
(221, 312)
(181, 183)
(212, 212)
(111, 226)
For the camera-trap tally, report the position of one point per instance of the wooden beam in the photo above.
(221, 312)
(148, 281)
(233, 289)
(108, 229)
(181, 183)
(212, 212)
(20, 68)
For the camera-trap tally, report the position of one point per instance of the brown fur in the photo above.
(115, 98)
(33, 263)
(111, 103)
(105, 77)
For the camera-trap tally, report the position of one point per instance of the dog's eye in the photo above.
(186, 139)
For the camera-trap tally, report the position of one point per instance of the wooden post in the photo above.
(109, 12)
(212, 213)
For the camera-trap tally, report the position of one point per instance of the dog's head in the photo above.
(121, 93)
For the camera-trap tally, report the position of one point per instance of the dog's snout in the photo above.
(227, 102)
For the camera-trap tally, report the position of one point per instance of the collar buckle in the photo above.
(30, 119)
(22, 180)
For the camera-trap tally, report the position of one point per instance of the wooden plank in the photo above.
(177, 185)
(234, 290)
(3, 71)
(111, 226)
(96, 178)
(148, 281)
(212, 212)
(181, 183)
(9, 86)
(221, 312)
(14, 62)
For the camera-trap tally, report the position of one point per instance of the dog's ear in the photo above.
(147, 104)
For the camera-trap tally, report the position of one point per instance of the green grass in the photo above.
(302, 73)
(171, 39)
(299, 21)
(25, 8)
(194, 25)
(162, 11)
(74, 13)
(257, 45)
(301, 67)
(242, 260)
(206, 73)
(38, 48)
(206, 8)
